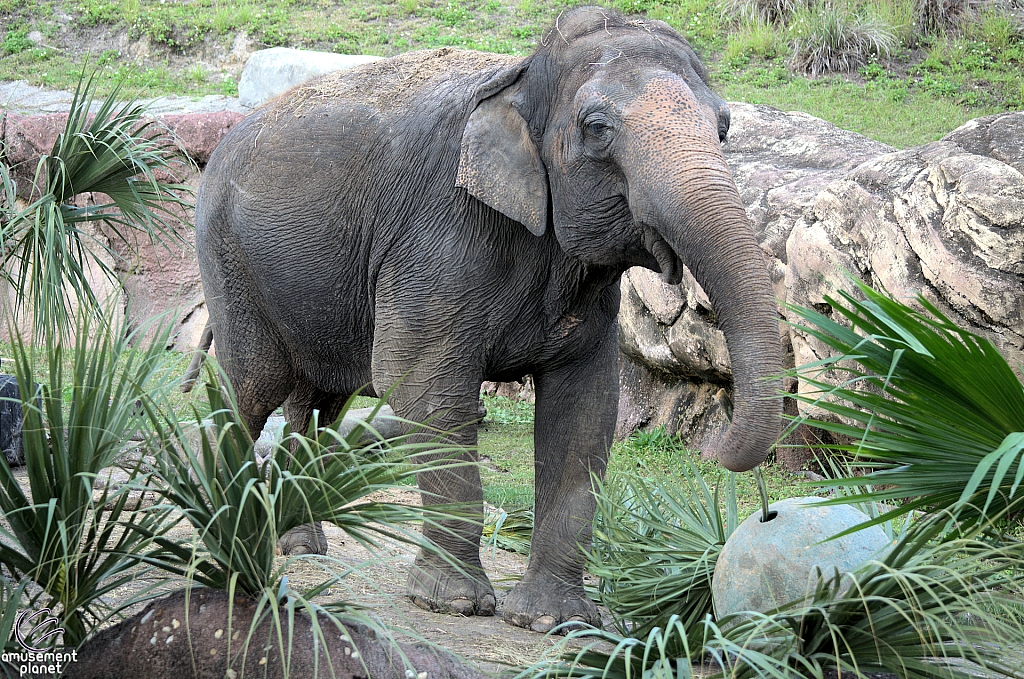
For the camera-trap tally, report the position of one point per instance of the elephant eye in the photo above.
(597, 129)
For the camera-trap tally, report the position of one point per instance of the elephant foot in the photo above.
(545, 603)
(308, 538)
(446, 590)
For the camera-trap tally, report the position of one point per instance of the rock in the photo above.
(197, 134)
(999, 136)
(765, 565)
(11, 419)
(270, 72)
(933, 220)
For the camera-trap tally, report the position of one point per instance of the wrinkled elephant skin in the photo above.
(446, 217)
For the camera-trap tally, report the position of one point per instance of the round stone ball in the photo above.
(765, 565)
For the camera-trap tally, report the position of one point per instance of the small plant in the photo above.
(757, 38)
(940, 16)
(656, 543)
(831, 39)
(48, 247)
(15, 41)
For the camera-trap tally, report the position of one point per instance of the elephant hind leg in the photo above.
(308, 538)
(304, 399)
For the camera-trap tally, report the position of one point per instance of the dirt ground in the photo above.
(488, 642)
(378, 584)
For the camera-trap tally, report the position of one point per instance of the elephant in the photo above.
(426, 222)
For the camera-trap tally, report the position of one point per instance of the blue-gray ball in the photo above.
(765, 565)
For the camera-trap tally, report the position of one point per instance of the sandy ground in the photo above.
(378, 584)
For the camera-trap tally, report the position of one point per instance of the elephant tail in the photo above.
(205, 342)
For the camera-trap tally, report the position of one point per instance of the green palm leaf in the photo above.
(48, 250)
(58, 535)
(935, 412)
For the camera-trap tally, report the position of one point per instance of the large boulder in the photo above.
(935, 220)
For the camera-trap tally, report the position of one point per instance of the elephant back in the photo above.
(398, 83)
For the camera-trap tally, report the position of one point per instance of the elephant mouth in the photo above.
(668, 261)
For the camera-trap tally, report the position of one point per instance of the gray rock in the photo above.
(270, 72)
(21, 97)
(932, 220)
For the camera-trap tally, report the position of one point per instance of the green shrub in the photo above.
(831, 38)
(763, 11)
(15, 41)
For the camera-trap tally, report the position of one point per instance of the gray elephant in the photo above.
(445, 217)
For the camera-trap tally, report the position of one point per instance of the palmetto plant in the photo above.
(58, 535)
(935, 414)
(656, 543)
(48, 249)
(240, 507)
(925, 611)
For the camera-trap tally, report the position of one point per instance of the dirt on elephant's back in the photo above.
(382, 84)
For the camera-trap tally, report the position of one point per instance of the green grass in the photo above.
(931, 85)
(506, 441)
(888, 110)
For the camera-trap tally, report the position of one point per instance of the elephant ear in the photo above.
(500, 164)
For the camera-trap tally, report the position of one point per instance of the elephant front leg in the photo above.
(451, 579)
(453, 582)
(575, 423)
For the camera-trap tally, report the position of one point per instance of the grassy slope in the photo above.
(943, 82)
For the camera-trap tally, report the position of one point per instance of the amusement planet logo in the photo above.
(32, 628)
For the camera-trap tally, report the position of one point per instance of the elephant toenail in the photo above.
(421, 603)
(462, 606)
(486, 605)
(544, 624)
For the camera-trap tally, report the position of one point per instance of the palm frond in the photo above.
(240, 508)
(59, 536)
(935, 412)
(511, 531)
(656, 543)
(48, 248)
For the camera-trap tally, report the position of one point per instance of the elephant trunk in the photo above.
(684, 199)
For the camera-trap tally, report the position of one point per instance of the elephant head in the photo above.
(609, 136)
